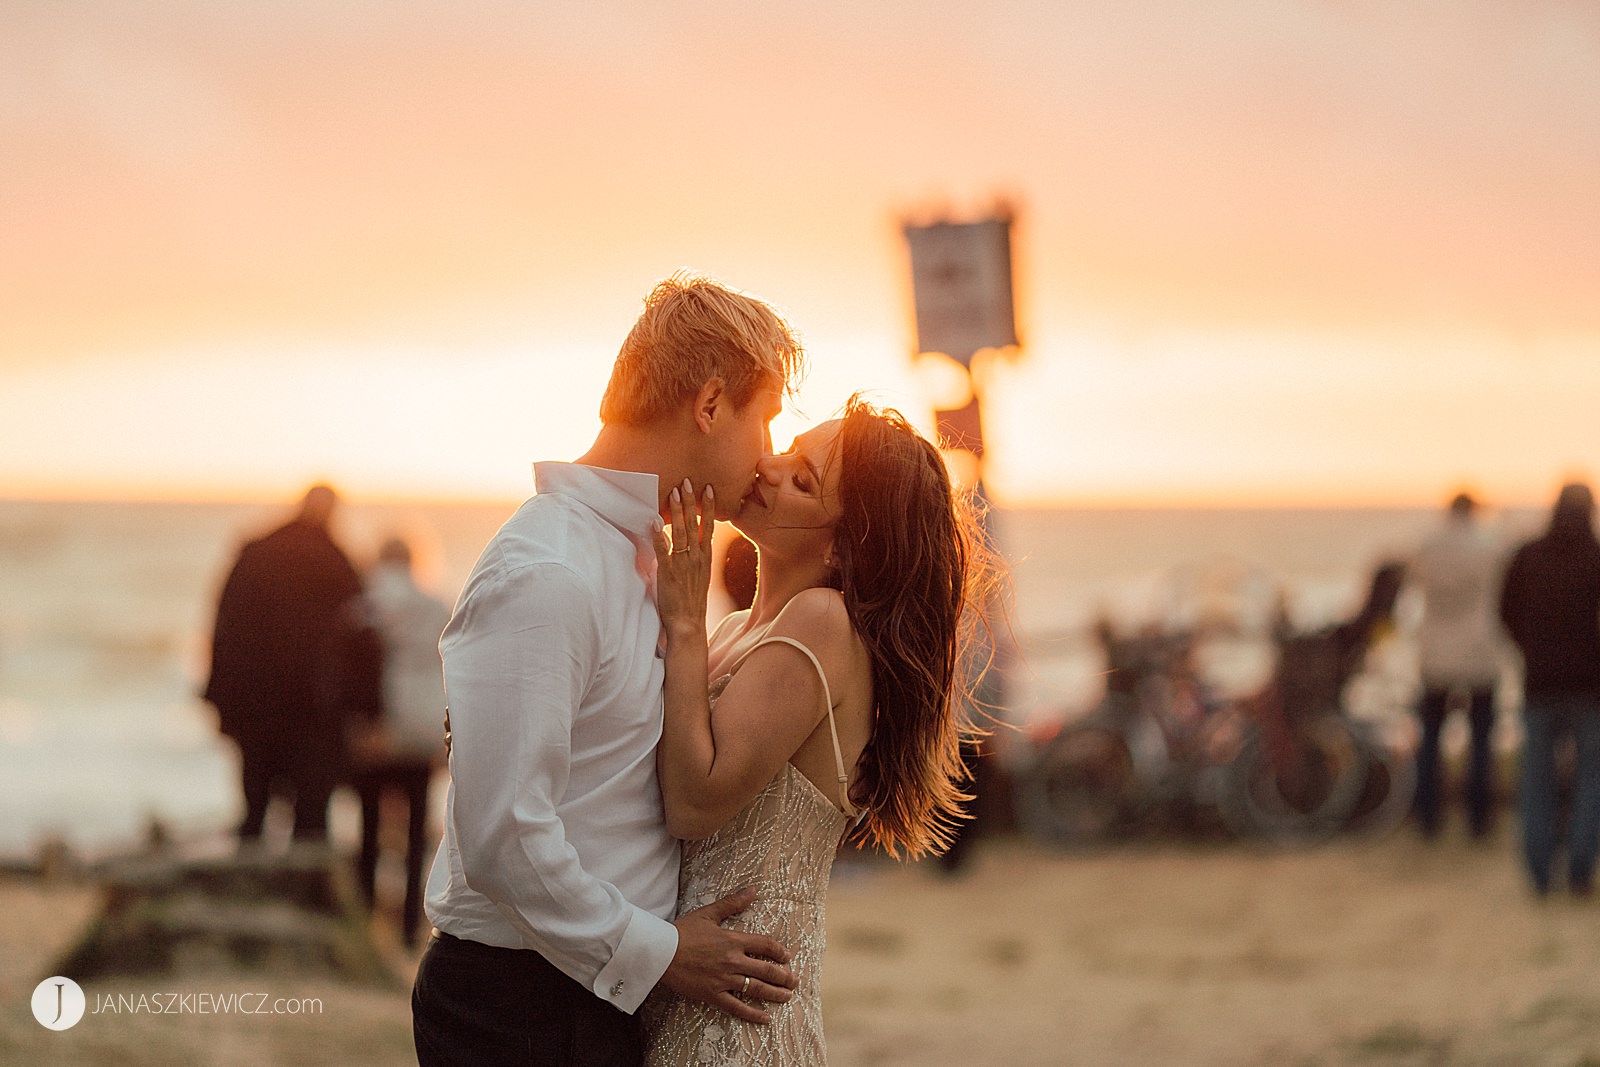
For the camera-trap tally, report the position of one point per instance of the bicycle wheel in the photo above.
(1298, 796)
(1081, 790)
(1388, 790)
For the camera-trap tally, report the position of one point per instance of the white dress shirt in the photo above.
(555, 838)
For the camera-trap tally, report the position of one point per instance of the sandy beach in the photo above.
(1210, 954)
(1216, 955)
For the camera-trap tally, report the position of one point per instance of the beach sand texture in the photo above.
(1214, 954)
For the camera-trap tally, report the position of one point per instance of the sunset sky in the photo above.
(1267, 251)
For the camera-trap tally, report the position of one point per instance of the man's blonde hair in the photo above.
(693, 329)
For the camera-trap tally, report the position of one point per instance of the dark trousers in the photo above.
(475, 1004)
(310, 774)
(1547, 721)
(410, 779)
(1479, 787)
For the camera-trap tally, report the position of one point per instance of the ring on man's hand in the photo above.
(745, 988)
(680, 551)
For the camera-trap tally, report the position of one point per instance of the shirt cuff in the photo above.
(646, 951)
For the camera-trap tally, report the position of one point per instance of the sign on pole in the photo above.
(961, 285)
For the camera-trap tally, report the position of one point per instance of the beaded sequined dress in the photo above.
(783, 843)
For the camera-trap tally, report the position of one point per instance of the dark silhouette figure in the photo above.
(1314, 668)
(739, 572)
(1550, 604)
(399, 751)
(1457, 573)
(278, 679)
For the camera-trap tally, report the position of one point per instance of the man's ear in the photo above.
(709, 402)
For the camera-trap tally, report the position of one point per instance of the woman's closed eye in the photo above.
(801, 476)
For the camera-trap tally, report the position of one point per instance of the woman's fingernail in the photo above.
(674, 496)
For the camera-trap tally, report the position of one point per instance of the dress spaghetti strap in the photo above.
(827, 703)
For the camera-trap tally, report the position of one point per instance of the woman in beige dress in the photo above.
(830, 709)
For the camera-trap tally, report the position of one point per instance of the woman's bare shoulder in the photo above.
(817, 618)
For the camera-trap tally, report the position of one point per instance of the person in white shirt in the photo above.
(399, 751)
(1461, 649)
(553, 891)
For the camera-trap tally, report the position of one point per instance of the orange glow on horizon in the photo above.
(1298, 255)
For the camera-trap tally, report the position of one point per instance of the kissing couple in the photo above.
(642, 817)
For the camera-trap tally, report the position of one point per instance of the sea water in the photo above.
(106, 609)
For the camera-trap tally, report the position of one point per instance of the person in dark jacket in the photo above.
(1550, 604)
(284, 621)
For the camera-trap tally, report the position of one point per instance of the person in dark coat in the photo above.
(284, 622)
(1550, 604)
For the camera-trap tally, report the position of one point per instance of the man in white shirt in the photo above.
(553, 891)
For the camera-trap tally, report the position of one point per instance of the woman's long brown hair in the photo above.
(907, 549)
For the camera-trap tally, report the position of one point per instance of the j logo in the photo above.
(58, 1003)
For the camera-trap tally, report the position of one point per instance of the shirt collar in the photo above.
(626, 499)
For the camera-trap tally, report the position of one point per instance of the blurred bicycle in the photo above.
(1289, 764)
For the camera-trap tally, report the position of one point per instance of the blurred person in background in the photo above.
(1456, 574)
(1550, 604)
(398, 751)
(739, 572)
(277, 676)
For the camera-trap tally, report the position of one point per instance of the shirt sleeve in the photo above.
(518, 657)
